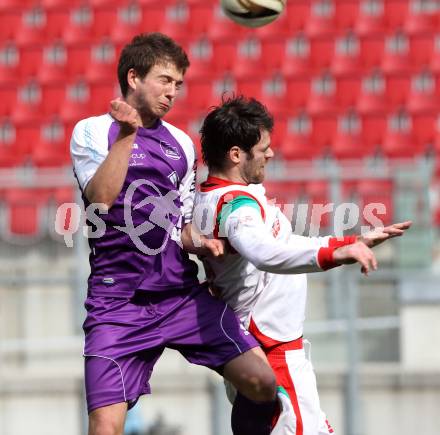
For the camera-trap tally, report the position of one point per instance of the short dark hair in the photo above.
(238, 121)
(146, 50)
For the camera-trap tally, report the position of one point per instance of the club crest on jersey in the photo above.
(170, 151)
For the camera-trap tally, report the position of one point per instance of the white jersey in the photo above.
(263, 276)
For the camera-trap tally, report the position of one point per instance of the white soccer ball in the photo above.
(253, 13)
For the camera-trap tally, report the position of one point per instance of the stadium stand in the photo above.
(346, 80)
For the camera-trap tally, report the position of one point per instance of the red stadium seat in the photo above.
(284, 193)
(372, 96)
(317, 196)
(79, 28)
(373, 129)
(273, 53)
(8, 97)
(322, 98)
(425, 20)
(395, 13)
(434, 62)
(397, 89)
(103, 62)
(423, 127)
(421, 50)
(297, 58)
(424, 94)
(371, 51)
(54, 67)
(375, 199)
(371, 18)
(298, 142)
(10, 21)
(398, 140)
(201, 15)
(52, 148)
(347, 56)
(24, 219)
(322, 18)
(348, 89)
(223, 29)
(396, 56)
(297, 13)
(14, 146)
(298, 91)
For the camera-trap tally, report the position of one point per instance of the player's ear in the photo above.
(132, 77)
(234, 154)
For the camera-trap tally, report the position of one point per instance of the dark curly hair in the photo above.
(238, 121)
(146, 50)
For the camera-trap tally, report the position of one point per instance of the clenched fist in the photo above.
(127, 115)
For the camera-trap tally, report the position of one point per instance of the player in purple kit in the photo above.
(143, 293)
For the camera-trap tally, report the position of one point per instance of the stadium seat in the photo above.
(348, 141)
(322, 98)
(296, 58)
(373, 129)
(396, 56)
(317, 195)
(52, 148)
(78, 59)
(372, 97)
(348, 89)
(298, 142)
(397, 89)
(424, 128)
(425, 20)
(54, 67)
(8, 97)
(223, 29)
(101, 94)
(422, 50)
(298, 91)
(322, 18)
(398, 141)
(284, 193)
(10, 21)
(24, 214)
(395, 13)
(346, 60)
(201, 15)
(370, 192)
(371, 51)
(424, 93)
(103, 62)
(434, 62)
(32, 27)
(371, 18)
(80, 27)
(14, 145)
(297, 14)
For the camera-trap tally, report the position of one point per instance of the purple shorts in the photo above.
(125, 338)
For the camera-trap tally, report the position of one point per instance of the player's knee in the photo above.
(263, 386)
(105, 425)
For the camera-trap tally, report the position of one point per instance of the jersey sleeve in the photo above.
(247, 233)
(188, 188)
(89, 147)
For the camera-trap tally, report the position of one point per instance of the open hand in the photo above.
(379, 235)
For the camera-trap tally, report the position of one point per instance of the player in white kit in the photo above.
(263, 274)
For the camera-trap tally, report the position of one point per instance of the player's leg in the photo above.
(295, 373)
(212, 336)
(108, 420)
(251, 374)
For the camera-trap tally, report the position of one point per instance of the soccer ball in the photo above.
(253, 13)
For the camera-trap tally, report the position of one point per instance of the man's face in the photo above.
(154, 95)
(253, 164)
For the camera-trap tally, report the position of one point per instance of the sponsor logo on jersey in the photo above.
(276, 228)
(170, 151)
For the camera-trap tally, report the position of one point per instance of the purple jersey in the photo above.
(139, 248)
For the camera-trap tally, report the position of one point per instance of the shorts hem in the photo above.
(133, 398)
(233, 356)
